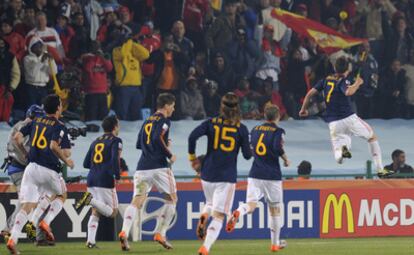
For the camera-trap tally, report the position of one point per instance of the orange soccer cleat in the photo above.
(232, 222)
(124, 241)
(46, 229)
(163, 241)
(203, 250)
(276, 248)
(201, 230)
(12, 247)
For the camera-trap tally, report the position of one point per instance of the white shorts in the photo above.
(219, 195)
(39, 180)
(341, 131)
(163, 179)
(272, 191)
(106, 195)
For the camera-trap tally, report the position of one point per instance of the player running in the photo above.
(265, 177)
(154, 169)
(42, 173)
(343, 122)
(226, 135)
(103, 160)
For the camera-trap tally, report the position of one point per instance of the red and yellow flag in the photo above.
(326, 38)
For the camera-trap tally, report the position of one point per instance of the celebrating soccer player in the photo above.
(226, 135)
(103, 160)
(42, 173)
(337, 91)
(265, 177)
(154, 170)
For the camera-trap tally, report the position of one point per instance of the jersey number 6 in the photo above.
(224, 137)
(260, 146)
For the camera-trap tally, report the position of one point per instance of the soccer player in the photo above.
(42, 173)
(154, 170)
(226, 135)
(265, 177)
(103, 160)
(343, 122)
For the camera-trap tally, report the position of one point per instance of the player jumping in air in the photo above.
(265, 177)
(42, 173)
(226, 135)
(103, 160)
(154, 170)
(343, 122)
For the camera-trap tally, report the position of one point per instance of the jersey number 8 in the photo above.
(40, 141)
(224, 137)
(98, 156)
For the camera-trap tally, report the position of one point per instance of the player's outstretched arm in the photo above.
(304, 110)
(352, 89)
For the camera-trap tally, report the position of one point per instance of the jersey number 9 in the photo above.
(98, 156)
(40, 141)
(260, 146)
(148, 129)
(224, 137)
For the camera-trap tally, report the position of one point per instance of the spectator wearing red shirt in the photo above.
(110, 18)
(65, 31)
(15, 40)
(193, 17)
(272, 96)
(95, 83)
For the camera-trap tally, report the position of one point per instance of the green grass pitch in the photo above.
(360, 246)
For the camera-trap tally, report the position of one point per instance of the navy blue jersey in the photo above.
(42, 131)
(153, 142)
(224, 143)
(103, 160)
(338, 105)
(267, 144)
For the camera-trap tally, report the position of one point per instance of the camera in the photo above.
(75, 132)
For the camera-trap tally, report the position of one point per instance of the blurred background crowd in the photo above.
(118, 55)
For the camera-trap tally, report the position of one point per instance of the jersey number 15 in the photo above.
(221, 135)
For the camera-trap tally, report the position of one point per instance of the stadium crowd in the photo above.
(119, 55)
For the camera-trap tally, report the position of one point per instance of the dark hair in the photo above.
(396, 153)
(109, 123)
(341, 65)
(229, 108)
(271, 112)
(164, 99)
(51, 103)
(305, 168)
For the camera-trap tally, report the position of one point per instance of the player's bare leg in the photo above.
(213, 232)
(275, 226)
(129, 217)
(245, 208)
(166, 217)
(202, 222)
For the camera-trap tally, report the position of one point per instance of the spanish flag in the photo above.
(326, 38)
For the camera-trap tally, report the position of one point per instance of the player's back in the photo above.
(42, 131)
(103, 161)
(267, 143)
(153, 142)
(338, 105)
(224, 142)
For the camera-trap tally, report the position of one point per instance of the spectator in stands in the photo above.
(243, 54)
(186, 45)
(93, 10)
(270, 95)
(392, 98)
(15, 40)
(398, 163)
(192, 105)
(409, 87)
(399, 41)
(109, 19)
(29, 22)
(194, 19)
(171, 69)
(211, 98)
(9, 79)
(279, 28)
(95, 68)
(367, 67)
(129, 96)
(64, 30)
(248, 100)
(38, 65)
(131, 28)
(80, 41)
(14, 12)
(49, 36)
(304, 170)
(224, 28)
(221, 72)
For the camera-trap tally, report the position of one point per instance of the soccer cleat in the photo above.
(91, 245)
(384, 173)
(85, 200)
(201, 230)
(163, 241)
(124, 241)
(6, 235)
(48, 232)
(232, 222)
(282, 245)
(203, 250)
(346, 153)
(12, 247)
(30, 231)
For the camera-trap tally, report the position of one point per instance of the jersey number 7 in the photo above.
(221, 135)
(332, 85)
